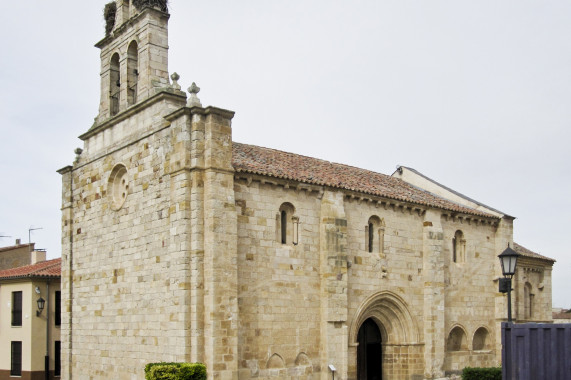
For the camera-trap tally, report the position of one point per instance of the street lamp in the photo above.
(508, 259)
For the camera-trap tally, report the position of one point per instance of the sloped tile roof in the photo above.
(275, 163)
(527, 253)
(564, 314)
(50, 268)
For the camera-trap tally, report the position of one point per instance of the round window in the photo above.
(118, 186)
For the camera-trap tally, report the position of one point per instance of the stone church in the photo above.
(180, 244)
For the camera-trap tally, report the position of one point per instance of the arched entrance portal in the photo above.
(384, 340)
(369, 352)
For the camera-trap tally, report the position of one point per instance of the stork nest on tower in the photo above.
(109, 14)
(162, 4)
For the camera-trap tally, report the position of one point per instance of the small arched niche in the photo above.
(481, 341)
(528, 301)
(302, 360)
(457, 340)
(275, 362)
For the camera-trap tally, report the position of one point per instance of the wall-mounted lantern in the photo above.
(41, 304)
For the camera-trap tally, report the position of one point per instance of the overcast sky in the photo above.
(474, 94)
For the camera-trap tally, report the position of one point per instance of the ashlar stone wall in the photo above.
(126, 266)
(301, 306)
(471, 288)
(532, 291)
(279, 293)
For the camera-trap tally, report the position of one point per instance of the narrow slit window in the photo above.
(284, 226)
(371, 236)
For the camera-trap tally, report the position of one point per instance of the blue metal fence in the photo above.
(536, 351)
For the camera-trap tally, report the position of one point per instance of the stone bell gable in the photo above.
(179, 244)
(134, 56)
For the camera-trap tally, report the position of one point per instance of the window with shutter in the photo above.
(16, 308)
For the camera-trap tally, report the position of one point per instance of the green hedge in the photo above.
(175, 371)
(482, 373)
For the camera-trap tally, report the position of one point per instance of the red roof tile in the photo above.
(527, 253)
(50, 268)
(275, 163)
(564, 314)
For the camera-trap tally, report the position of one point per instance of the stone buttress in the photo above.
(433, 272)
(333, 273)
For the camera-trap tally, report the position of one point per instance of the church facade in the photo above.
(180, 244)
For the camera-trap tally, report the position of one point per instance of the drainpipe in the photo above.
(47, 357)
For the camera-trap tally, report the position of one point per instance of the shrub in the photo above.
(109, 14)
(482, 373)
(175, 371)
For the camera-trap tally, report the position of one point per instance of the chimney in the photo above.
(38, 257)
(18, 241)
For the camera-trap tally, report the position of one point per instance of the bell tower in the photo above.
(134, 54)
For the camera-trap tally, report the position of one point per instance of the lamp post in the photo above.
(508, 259)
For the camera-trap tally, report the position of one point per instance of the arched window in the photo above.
(375, 235)
(287, 225)
(457, 340)
(528, 301)
(459, 247)
(132, 73)
(114, 85)
(480, 341)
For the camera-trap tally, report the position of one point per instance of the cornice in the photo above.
(123, 27)
(163, 94)
(286, 184)
(189, 111)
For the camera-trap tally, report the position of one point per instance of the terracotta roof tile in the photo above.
(564, 314)
(275, 163)
(50, 268)
(527, 253)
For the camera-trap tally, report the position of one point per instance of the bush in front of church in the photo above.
(175, 371)
(482, 373)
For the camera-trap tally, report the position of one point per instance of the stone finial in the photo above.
(77, 152)
(175, 77)
(193, 101)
